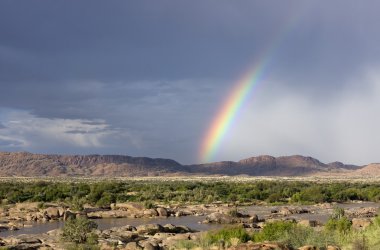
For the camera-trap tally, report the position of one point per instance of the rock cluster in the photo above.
(149, 236)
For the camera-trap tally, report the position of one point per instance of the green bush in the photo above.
(274, 231)
(293, 235)
(228, 233)
(79, 231)
(102, 193)
(76, 203)
(148, 204)
(342, 225)
(337, 213)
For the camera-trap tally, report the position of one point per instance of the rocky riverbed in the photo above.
(24, 217)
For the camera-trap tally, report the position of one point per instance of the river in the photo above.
(193, 222)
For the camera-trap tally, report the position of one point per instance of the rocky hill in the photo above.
(266, 165)
(369, 170)
(27, 164)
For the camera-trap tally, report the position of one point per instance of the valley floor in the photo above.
(191, 212)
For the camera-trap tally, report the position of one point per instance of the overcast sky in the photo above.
(146, 78)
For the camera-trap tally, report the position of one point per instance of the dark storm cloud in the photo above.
(10, 143)
(121, 40)
(157, 71)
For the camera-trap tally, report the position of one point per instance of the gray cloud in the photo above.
(147, 79)
(10, 143)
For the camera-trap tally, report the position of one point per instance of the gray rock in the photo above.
(150, 229)
(253, 219)
(149, 245)
(133, 246)
(170, 228)
(52, 213)
(150, 212)
(220, 218)
(162, 212)
(308, 223)
(361, 223)
(68, 215)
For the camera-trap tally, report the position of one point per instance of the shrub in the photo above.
(342, 225)
(293, 235)
(228, 233)
(148, 204)
(79, 231)
(360, 244)
(338, 213)
(276, 197)
(76, 204)
(274, 231)
(105, 200)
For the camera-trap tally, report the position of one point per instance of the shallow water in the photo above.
(320, 214)
(189, 221)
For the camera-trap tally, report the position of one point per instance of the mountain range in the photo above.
(28, 164)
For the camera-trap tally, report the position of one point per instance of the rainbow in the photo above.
(224, 119)
(240, 92)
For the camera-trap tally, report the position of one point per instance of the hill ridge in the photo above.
(29, 164)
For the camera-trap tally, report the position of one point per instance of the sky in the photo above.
(147, 78)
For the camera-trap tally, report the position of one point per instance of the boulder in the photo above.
(22, 239)
(26, 246)
(180, 237)
(149, 244)
(308, 223)
(162, 236)
(170, 228)
(127, 228)
(259, 246)
(308, 248)
(68, 215)
(170, 241)
(52, 213)
(132, 246)
(108, 214)
(253, 219)
(130, 206)
(113, 206)
(3, 212)
(363, 212)
(179, 214)
(61, 211)
(333, 248)
(361, 223)
(285, 211)
(220, 218)
(162, 212)
(150, 229)
(30, 217)
(150, 212)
